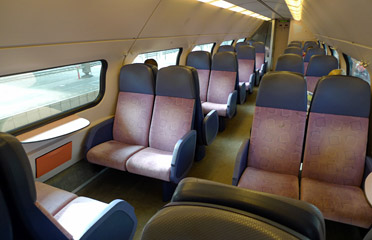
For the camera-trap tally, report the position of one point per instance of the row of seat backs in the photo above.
(217, 78)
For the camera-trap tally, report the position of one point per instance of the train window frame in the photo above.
(351, 69)
(211, 51)
(225, 43)
(64, 113)
(177, 60)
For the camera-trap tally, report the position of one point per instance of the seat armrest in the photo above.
(242, 92)
(183, 156)
(210, 127)
(368, 188)
(117, 221)
(231, 104)
(98, 134)
(297, 215)
(241, 162)
(367, 170)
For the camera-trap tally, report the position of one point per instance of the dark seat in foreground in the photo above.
(81, 218)
(206, 210)
(270, 160)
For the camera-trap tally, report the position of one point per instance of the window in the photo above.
(30, 99)
(204, 47)
(335, 54)
(227, 42)
(358, 70)
(164, 58)
(325, 49)
(240, 40)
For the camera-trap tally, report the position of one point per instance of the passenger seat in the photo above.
(319, 66)
(246, 66)
(226, 48)
(294, 50)
(290, 62)
(261, 63)
(311, 52)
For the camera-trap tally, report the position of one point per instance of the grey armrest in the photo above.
(242, 93)
(183, 156)
(241, 162)
(210, 127)
(98, 134)
(297, 215)
(231, 104)
(117, 221)
(251, 82)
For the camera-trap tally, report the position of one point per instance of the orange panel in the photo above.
(53, 159)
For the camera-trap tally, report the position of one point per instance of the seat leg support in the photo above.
(168, 190)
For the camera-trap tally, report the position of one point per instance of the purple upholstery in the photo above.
(52, 199)
(77, 216)
(203, 83)
(132, 118)
(152, 163)
(221, 84)
(305, 66)
(341, 203)
(260, 59)
(171, 120)
(220, 108)
(246, 68)
(335, 148)
(311, 83)
(277, 140)
(270, 182)
(112, 154)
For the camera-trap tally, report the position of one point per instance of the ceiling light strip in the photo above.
(232, 7)
(295, 7)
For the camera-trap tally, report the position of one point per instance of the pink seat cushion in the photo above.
(246, 68)
(276, 140)
(171, 120)
(305, 66)
(132, 118)
(220, 108)
(52, 199)
(221, 84)
(260, 59)
(152, 163)
(335, 149)
(311, 83)
(346, 204)
(270, 182)
(78, 215)
(203, 83)
(112, 154)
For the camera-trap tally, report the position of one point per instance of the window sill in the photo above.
(55, 129)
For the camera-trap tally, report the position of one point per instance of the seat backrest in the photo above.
(201, 60)
(279, 121)
(313, 51)
(260, 53)
(290, 62)
(135, 104)
(240, 44)
(337, 130)
(294, 50)
(246, 56)
(295, 44)
(299, 43)
(250, 42)
(319, 66)
(6, 231)
(18, 186)
(226, 48)
(177, 92)
(223, 78)
(309, 44)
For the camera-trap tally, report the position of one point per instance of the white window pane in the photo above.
(226, 42)
(241, 40)
(203, 47)
(30, 97)
(358, 70)
(163, 58)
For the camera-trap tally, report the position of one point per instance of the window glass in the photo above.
(358, 70)
(164, 58)
(28, 98)
(241, 40)
(226, 42)
(204, 47)
(335, 54)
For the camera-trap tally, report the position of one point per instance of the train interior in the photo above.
(73, 74)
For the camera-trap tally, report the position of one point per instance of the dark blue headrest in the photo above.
(321, 65)
(225, 61)
(240, 44)
(137, 78)
(342, 95)
(294, 50)
(285, 90)
(310, 44)
(246, 52)
(295, 45)
(226, 48)
(199, 60)
(260, 47)
(290, 62)
(313, 51)
(178, 81)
